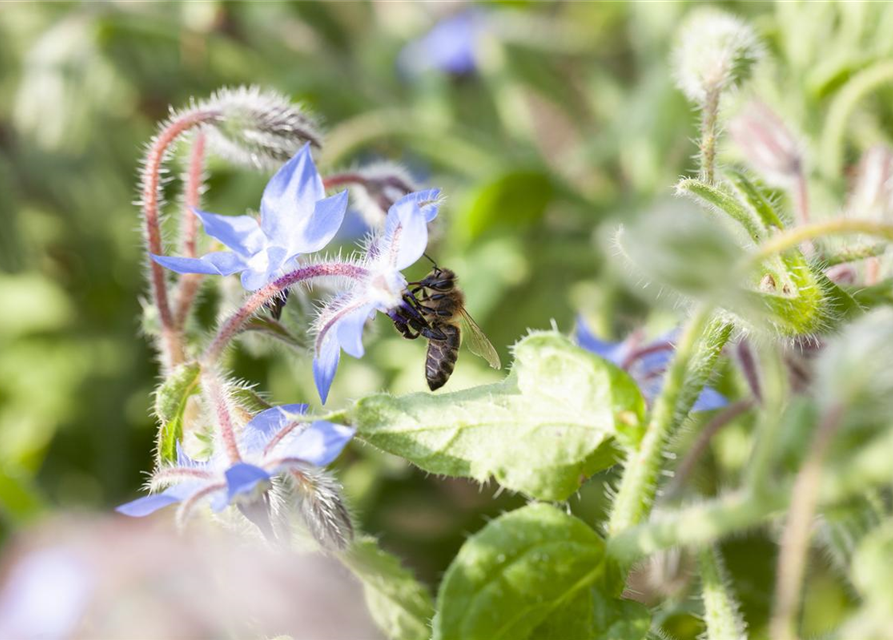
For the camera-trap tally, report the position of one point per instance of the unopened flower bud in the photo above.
(322, 508)
(767, 144)
(872, 195)
(715, 51)
(375, 188)
(258, 128)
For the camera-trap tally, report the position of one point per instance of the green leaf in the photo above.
(720, 200)
(511, 576)
(170, 405)
(592, 616)
(757, 200)
(687, 251)
(550, 424)
(249, 399)
(399, 604)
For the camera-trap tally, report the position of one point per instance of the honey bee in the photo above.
(434, 308)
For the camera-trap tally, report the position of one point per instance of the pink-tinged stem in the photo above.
(151, 185)
(188, 505)
(219, 402)
(341, 179)
(233, 325)
(287, 429)
(655, 347)
(190, 282)
(179, 473)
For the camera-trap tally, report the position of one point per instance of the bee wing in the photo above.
(478, 343)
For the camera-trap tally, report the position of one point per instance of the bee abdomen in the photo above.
(441, 358)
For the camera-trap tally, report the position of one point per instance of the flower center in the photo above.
(386, 289)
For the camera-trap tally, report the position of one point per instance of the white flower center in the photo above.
(386, 288)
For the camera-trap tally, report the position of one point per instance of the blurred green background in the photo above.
(569, 125)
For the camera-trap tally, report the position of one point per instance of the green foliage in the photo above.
(170, 407)
(400, 605)
(514, 201)
(515, 573)
(592, 616)
(549, 425)
(569, 127)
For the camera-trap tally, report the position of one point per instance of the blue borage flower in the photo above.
(646, 363)
(450, 46)
(274, 441)
(296, 218)
(340, 322)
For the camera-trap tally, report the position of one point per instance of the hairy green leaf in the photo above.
(592, 616)
(399, 604)
(757, 199)
(512, 575)
(170, 405)
(721, 200)
(550, 424)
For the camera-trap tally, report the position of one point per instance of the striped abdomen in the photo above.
(442, 354)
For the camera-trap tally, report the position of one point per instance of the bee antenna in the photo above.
(431, 260)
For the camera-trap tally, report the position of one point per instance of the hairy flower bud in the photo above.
(872, 194)
(767, 144)
(375, 188)
(715, 51)
(258, 128)
(322, 508)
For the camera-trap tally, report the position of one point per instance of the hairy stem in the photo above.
(835, 226)
(696, 451)
(234, 324)
(220, 403)
(854, 254)
(190, 282)
(775, 386)
(795, 539)
(721, 610)
(639, 484)
(742, 510)
(171, 346)
(709, 113)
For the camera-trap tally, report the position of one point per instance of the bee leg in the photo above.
(443, 313)
(434, 334)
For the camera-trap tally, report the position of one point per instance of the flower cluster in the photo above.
(275, 442)
(280, 448)
(296, 218)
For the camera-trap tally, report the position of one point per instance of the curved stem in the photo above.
(341, 179)
(836, 226)
(854, 254)
(190, 282)
(172, 348)
(234, 324)
(859, 86)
